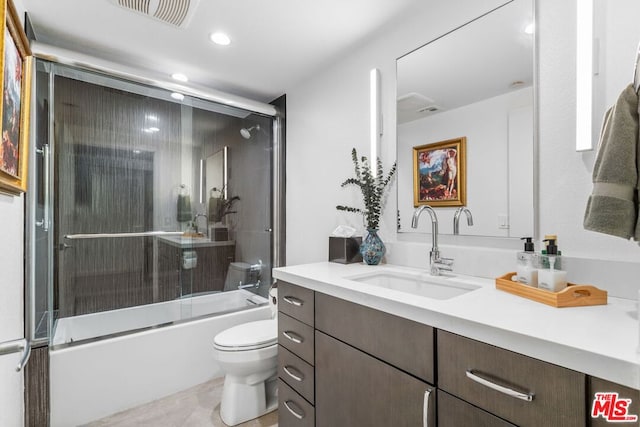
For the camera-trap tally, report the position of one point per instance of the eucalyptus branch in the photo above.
(372, 188)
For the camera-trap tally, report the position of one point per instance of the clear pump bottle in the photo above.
(550, 277)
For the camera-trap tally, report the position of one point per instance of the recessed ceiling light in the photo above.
(220, 38)
(179, 77)
(151, 129)
(529, 29)
(178, 96)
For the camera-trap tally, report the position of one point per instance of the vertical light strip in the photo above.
(375, 121)
(203, 190)
(225, 168)
(584, 75)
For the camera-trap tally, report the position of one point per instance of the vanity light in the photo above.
(220, 38)
(375, 119)
(180, 77)
(584, 74)
(177, 95)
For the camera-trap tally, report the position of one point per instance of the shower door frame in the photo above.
(53, 57)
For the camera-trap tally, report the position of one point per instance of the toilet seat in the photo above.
(248, 336)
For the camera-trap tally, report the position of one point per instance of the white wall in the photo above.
(327, 115)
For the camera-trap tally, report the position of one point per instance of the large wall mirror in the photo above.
(476, 83)
(616, 38)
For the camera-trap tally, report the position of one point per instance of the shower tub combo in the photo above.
(104, 363)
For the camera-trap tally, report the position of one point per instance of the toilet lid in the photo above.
(248, 336)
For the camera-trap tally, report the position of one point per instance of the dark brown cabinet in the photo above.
(454, 412)
(611, 395)
(356, 389)
(517, 388)
(344, 364)
(296, 355)
(208, 275)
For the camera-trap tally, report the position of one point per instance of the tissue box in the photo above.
(345, 250)
(219, 234)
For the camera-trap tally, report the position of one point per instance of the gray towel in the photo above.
(184, 208)
(613, 205)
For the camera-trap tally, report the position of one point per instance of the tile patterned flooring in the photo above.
(196, 407)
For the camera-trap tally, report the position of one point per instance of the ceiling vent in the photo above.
(173, 12)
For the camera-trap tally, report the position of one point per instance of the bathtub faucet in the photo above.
(436, 264)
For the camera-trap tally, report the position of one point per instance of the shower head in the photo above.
(246, 132)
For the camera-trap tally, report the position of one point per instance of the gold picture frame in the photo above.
(440, 173)
(15, 106)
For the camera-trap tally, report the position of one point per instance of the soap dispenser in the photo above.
(526, 270)
(551, 279)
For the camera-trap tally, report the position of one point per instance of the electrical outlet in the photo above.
(503, 222)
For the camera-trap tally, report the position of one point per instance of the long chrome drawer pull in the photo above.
(288, 369)
(425, 408)
(509, 392)
(294, 413)
(294, 301)
(293, 337)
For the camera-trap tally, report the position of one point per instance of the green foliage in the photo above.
(372, 188)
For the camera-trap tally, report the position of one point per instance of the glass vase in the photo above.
(372, 248)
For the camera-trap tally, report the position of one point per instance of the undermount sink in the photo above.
(415, 283)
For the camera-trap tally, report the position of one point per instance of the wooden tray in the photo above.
(571, 296)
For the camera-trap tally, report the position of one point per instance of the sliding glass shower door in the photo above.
(132, 213)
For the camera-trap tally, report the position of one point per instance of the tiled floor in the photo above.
(196, 407)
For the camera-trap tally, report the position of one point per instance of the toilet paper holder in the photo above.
(189, 260)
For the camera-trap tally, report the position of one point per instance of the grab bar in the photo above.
(119, 235)
(14, 346)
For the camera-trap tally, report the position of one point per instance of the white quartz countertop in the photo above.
(598, 340)
(186, 242)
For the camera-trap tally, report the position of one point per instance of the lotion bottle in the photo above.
(526, 271)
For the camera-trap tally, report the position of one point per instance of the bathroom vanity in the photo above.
(199, 264)
(355, 351)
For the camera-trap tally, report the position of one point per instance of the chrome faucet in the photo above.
(195, 223)
(436, 263)
(456, 219)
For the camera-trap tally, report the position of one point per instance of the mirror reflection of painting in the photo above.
(9, 149)
(439, 173)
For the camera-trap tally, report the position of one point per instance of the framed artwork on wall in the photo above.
(16, 93)
(439, 173)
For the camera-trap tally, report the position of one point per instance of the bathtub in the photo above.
(94, 377)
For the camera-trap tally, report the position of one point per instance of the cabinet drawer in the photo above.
(403, 343)
(293, 410)
(297, 373)
(597, 385)
(296, 301)
(557, 393)
(296, 337)
(453, 412)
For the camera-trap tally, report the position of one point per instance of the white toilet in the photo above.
(248, 354)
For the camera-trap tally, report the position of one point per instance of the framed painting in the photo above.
(16, 91)
(439, 173)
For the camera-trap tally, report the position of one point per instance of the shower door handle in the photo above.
(46, 159)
